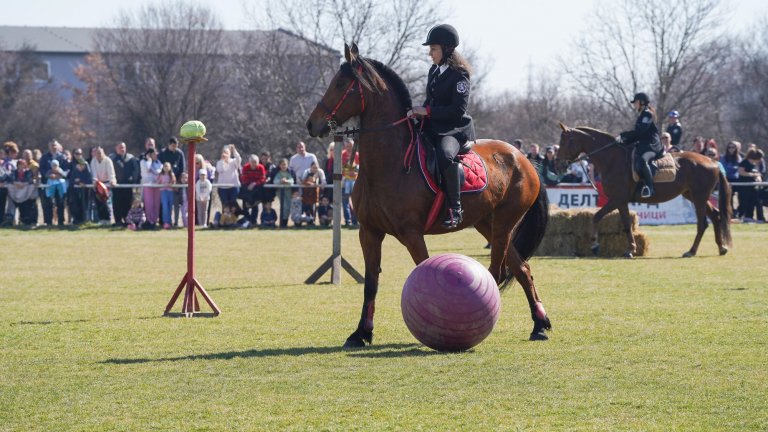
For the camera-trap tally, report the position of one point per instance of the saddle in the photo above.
(475, 177)
(664, 168)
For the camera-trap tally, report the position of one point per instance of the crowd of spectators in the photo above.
(73, 187)
(61, 183)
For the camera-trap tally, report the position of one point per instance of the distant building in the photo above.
(62, 49)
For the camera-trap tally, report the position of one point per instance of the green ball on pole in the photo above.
(192, 129)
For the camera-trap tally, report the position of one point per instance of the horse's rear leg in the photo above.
(715, 215)
(700, 204)
(370, 240)
(498, 248)
(504, 257)
(522, 272)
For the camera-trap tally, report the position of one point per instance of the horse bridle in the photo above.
(330, 116)
(586, 156)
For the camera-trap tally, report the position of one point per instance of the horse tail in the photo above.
(724, 203)
(530, 231)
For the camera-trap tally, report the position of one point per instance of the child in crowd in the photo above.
(268, 215)
(136, 216)
(228, 216)
(203, 189)
(284, 177)
(57, 186)
(296, 215)
(309, 197)
(325, 211)
(166, 177)
(78, 195)
(183, 179)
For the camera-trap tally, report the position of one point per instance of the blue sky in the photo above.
(515, 35)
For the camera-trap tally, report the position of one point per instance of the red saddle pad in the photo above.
(475, 172)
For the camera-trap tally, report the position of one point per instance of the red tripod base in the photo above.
(190, 305)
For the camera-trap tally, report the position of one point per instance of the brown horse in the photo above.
(511, 213)
(696, 179)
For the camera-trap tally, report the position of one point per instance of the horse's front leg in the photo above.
(413, 240)
(626, 222)
(370, 240)
(599, 215)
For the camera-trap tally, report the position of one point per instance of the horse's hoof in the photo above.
(540, 327)
(357, 340)
(690, 254)
(354, 342)
(723, 251)
(595, 249)
(628, 255)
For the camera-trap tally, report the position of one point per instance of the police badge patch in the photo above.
(461, 87)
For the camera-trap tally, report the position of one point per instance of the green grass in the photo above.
(657, 343)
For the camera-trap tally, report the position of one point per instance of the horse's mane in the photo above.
(593, 131)
(378, 77)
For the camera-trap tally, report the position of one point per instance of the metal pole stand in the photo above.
(191, 306)
(336, 262)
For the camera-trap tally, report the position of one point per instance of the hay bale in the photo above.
(568, 234)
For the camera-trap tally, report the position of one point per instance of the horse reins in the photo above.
(587, 156)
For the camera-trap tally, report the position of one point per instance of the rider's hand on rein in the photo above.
(418, 111)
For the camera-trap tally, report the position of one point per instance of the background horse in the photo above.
(511, 213)
(696, 179)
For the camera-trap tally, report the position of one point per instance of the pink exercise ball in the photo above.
(450, 302)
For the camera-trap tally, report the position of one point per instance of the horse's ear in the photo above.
(354, 50)
(563, 127)
(346, 53)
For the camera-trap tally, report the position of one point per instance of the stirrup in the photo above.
(646, 192)
(454, 218)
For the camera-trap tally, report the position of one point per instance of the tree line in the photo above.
(160, 65)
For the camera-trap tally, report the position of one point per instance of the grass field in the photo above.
(657, 343)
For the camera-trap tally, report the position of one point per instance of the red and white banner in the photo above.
(674, 212)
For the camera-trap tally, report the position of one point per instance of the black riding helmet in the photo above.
(642, 97)
(443, 34)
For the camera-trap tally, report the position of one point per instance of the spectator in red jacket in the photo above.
(252, 181)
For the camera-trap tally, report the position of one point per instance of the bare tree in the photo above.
(531, 116)
(157, 68)
(749, 95)
(672, 50)
(386, 31)
(32, 110)
(279, 79)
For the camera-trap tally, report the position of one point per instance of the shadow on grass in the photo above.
(250, 287)
(373, 351)
(49, 322)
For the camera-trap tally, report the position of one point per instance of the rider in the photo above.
(445, 111)
(646, 136)
(674, 129)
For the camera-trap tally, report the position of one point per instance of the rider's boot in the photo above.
(645, 172)
(452, 176)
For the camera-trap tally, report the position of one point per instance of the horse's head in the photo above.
(571, 143)
(347, 94)
(574, 142)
